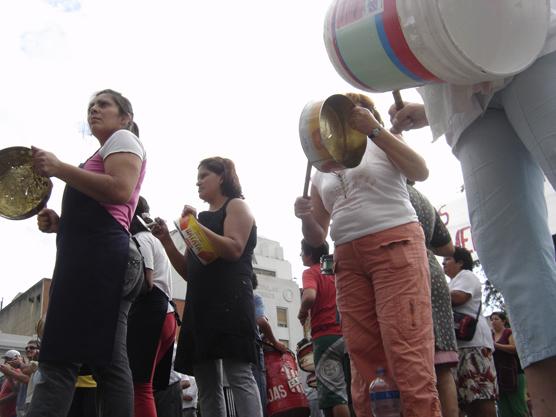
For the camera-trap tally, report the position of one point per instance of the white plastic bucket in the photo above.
(384, 45)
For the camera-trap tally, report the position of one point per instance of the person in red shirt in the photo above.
(8, 390)
(331, 360)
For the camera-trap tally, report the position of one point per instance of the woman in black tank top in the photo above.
(218, 327)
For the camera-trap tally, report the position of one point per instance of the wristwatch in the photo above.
(375, 132)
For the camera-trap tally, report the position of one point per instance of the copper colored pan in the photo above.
(23, 193)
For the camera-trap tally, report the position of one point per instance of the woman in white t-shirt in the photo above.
(97, 271)
(504, 137)
(151, 328)
(381, 266)
(476, 374)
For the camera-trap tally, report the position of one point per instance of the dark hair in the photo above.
(366, 102)
(224, 167)
(464, 256)
(314, 253)
(35, 342)
(124, 105)
(142, 207)
(254, 281)
(502, 316)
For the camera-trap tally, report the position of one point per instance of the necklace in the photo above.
(342, 180)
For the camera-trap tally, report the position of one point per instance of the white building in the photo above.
(280, 293)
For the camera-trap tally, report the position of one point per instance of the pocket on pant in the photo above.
(397, 252)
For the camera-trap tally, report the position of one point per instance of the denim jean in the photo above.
(504, 155)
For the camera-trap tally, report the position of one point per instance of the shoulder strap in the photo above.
(479, 311)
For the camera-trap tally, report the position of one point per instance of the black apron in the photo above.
(219, 314)
(91, 261)
(146, 318)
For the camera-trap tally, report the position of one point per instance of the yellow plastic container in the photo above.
(196, 239)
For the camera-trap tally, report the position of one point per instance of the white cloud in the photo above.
(65, 5)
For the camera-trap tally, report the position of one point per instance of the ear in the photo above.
(125, 119)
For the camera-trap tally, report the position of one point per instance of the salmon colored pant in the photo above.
(383, 295)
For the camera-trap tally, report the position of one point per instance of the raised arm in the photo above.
(408, 162)
(315, 220)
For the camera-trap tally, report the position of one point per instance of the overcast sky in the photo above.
(206, 78)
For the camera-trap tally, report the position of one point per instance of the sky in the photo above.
(205, 79)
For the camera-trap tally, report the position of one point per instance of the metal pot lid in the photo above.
(23, 193)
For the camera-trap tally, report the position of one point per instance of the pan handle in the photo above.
(398, 99)
(307, 179)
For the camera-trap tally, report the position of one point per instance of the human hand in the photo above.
(362, 120)
(282, 348)
(48, 220)
(187, 397)
(303, 207)
(411, 116)
(45, 163)
(189, 210)
(302, 316)
(160, 230)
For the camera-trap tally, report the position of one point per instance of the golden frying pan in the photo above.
(23, 193)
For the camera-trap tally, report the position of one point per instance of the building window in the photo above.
(285, 342)
(282, 316)
(260, 271)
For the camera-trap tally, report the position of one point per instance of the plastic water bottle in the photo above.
(385, 397)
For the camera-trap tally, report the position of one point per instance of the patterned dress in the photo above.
(436, 235)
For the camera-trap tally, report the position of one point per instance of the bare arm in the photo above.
(459, 297)
(307, 300)
(10, 372)
(267, 332)
(115, 186)
(315, 220)
(403, 157)
(510, 347)
(237, 228)
(177, 259)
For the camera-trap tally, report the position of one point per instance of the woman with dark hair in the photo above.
(151, 327)
(512, 401)
(476, 374)
(382, 275)
(97, 269)
(219, 316)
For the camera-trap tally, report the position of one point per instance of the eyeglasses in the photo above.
(31, 348)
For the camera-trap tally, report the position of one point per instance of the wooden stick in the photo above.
(398, 99)
(307, 179)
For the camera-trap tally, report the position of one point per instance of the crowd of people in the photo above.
(109, 336)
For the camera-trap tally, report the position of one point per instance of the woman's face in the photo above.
(451, 267)
(497, 323)
(104, 116)
(208, 184)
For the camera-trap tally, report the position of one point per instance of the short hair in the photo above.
(365, 101)
(464, 256)
(314, 253)
(224, 167)
(35, 342)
